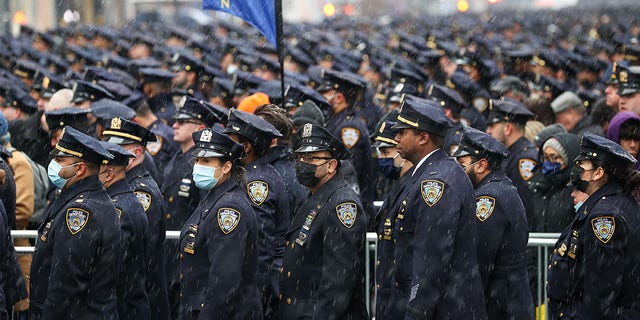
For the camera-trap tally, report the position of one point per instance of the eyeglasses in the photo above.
(310, 158)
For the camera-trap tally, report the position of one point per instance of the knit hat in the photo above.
(547, 133)
(252, 102)
(308, 113)
(555, 144)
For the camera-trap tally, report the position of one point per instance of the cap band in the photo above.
(407, 121)
(71, 152)
(122, 134)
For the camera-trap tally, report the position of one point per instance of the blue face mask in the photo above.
(577, 206)
(388, 169)
(550, 168)
(204, 176)
(53, 171)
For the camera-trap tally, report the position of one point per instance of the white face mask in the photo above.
(231, 69)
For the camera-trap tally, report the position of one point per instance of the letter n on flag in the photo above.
(259, 13)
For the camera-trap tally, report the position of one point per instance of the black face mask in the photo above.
(575, 179)
(306, 174)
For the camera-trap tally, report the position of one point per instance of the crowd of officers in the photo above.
(472, 135)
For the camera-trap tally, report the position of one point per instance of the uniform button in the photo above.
(555, 250)
(281, 269)
(289, 301)
(286, 244)
(561, 314)
(202, 305)
(280, 296)
(181, 256)
(397, 285)
(168, 216)
(546, 282)
(180, 276)
(394, 261)
(288, 274)
(170, 199)
(292, 245)
(377, 263)
(549, 267)
(378, 286)
(555, 263)
(401, 228)
(180, 295)
(379, 237)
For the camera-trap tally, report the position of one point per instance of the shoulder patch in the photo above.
(484, 207)
(258, 191)
(525, 168)
(350, 136)
(432, 191)
(144, 198)
(154, 147)
(76, 219)
(347, 213)
(603, 228)
(228, 219)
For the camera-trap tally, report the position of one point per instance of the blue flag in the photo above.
(259, 13)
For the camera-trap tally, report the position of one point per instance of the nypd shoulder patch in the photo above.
(144, 198)
(347, 213)
(603, 228)
(258, 191)
(228, 219)
(350, 136)
(525, 168)
(77, 218)
(432, 191)
(484, 207)
(154, 147)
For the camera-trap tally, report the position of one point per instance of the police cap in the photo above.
(20, 99)
(50, 85)
(447, 98)
(75, 143)
(478, 144)
(105, 109)
(252, 127)
(509, 111)
(595, 147)
(244, 81)
(26, 69)
(122, 131)
(186, 62)
(190, 108)
(340, 81)
(422, 114)
(384, 135)
(313, 138)
(628, 80)
(210, 142)
(72, 116)
(83, 91)
(155, 75)
(120, 155)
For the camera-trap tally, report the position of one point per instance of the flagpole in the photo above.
(280, 46)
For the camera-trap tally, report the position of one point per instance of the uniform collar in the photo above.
(119, 187)
(495, 175)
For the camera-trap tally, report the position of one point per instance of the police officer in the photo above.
(452, 104)
(323, 268)
(594, 272)
(436, 272)
(133, 138)
(218, 243)
(343, 91)
(179, 191)
(502, 227)
(133, 301)
(394, 169)
(156, 86)
(12, 285)
(506, 122)
(266, 192)
(77, 254)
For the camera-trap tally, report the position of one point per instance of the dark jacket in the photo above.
(28, 136)
(323, 268)
(12, 286)
(519, 167)
(74, 268)
(219, 257)
(593, 272)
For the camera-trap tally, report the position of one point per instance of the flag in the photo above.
(259, 13)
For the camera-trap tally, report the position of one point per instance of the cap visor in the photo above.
(206, 153)
(460, 152)
(306, 149)
(119, 140)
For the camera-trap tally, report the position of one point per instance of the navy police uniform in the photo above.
(323, 269)
(133, 301)
(280, 158)
(218, 245)
(436, 272)
(353, 133)
(161, 104)
(384, 225)
(503, 232)
(78, 245)
(12, 286)
(147, 192)
(593, 273)
(523, 154)
(266, 192)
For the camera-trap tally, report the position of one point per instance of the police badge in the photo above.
(525, 168)
(76, 219)
(484, 207)
(603, 228)
(350, 137)
(228, 219)
(144, 198)
(432, 191)
(347, 213)
(154, 147)
(258, 191)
